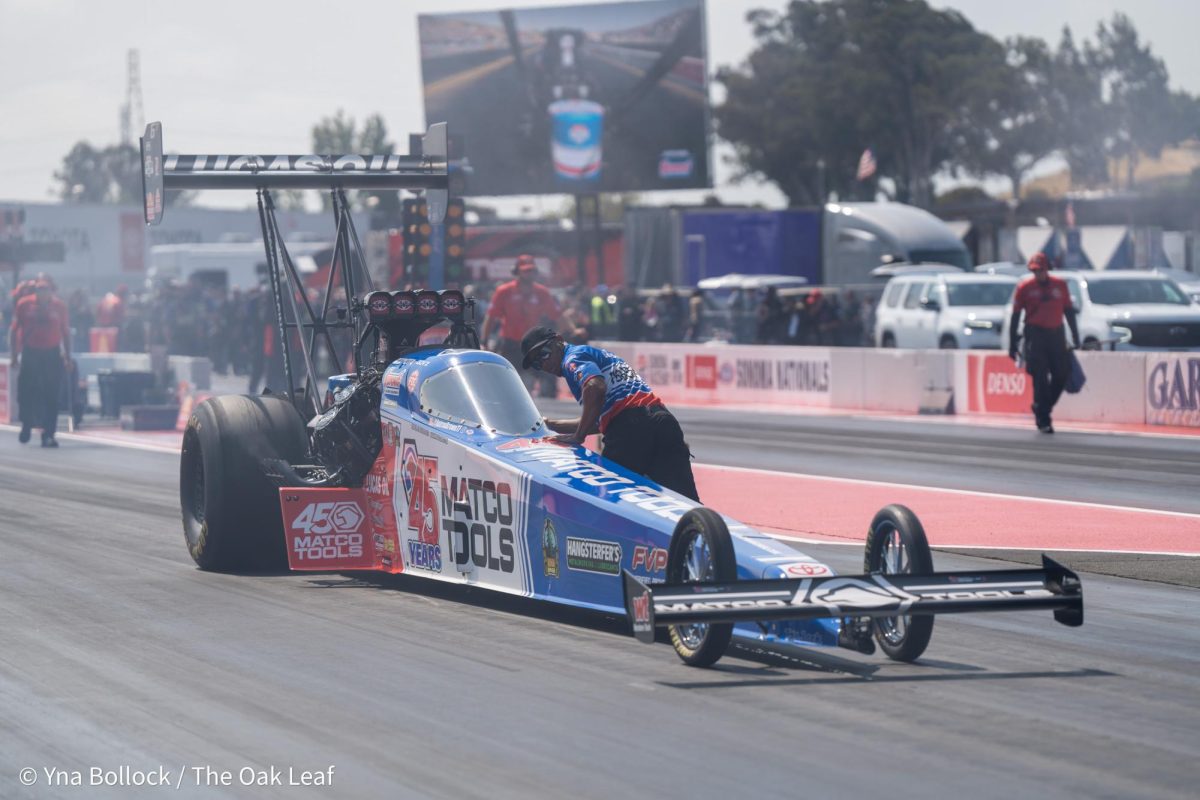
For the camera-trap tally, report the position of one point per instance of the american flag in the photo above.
(866, 165)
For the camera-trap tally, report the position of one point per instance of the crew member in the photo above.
(1045, 301)
(639, 432)
(517, 306)
(40, 342)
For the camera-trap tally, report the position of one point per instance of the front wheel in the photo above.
(701, 552)
(896, 545)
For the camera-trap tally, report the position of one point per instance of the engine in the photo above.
(347, 438)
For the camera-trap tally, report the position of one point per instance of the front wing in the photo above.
(875, 595)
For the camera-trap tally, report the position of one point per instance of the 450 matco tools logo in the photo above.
(329, 530)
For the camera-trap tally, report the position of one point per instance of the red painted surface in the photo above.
(832, 509)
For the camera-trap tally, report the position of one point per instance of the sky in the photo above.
(227, 76)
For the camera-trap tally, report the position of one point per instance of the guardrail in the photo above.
(1154, 388)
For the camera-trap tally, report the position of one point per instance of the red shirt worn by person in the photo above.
(1044, 304)
(40, 325)
(519, 312)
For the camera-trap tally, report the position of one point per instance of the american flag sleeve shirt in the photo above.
(624, 388)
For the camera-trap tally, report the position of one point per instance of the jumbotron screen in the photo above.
(605, 97)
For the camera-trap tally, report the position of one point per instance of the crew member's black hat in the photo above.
(533, 340)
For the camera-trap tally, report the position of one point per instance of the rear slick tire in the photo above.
(231, 515)
(701, 551)
(896, 544)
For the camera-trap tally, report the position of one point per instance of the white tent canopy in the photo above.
(1033, 239)
(1100, 243)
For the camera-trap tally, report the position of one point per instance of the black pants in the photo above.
(650, 442)
(38, 388)
(1048, 362)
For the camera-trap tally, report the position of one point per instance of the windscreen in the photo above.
(1136, 290)
(979, 294)
(482, 394)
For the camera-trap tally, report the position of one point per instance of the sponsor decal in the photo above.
(282, 163)
(419, 475)
(593, 555)
(413, 377)
(804, 569)
(788, 375)
(794, 375)
(321, 518)
(549, 549)
(392, 381)
(479, 516)
(996, 385)
(641, 611)
(424, 556)
(840, 597)
(858, 593)
(702, 372)
(1173, 390)
(652, 559)
(614, 486)
(659, 369)
(377, 484)
(754, 373)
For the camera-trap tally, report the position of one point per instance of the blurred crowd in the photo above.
(235, 328)
(809, 316)
(231, 328)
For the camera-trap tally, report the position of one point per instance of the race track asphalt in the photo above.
(115, 651)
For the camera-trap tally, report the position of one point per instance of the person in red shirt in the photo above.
(1046, 302)
(517, 306)
(40, 342)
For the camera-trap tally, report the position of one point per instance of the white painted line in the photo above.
(100, 439)
(967, 492)
(787, 537)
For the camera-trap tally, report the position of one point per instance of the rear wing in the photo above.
(875, 595)
(426, 170)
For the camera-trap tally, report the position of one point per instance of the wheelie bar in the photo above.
(875, 595)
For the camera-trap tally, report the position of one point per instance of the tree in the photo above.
(109, 175)
(1026, 125)
(339, 135)
(1143, 115)
(831, 78)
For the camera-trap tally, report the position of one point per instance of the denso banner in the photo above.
(735, 373)
(1173, 389)
(996, 385)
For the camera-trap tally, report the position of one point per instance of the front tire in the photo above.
(888, 340)
(231, 514)
(947, 343)
(701, 552)
(896, 544)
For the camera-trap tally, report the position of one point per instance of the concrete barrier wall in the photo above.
(1124, 387)
(990, 383)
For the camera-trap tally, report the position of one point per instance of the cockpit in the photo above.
(481, 393)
